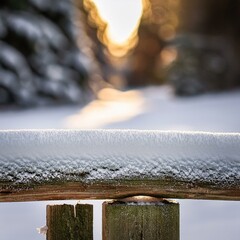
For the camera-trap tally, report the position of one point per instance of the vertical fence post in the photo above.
(135, 220)
(84, 217)
(69, 222)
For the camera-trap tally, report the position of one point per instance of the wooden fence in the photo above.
(139, 209)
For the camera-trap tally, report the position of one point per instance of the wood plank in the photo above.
(66, 223)
(158, 220)
(107, 189)
(84, 218)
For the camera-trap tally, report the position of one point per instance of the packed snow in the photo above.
(46, 155)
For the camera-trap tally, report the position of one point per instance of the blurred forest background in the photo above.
(61, 51)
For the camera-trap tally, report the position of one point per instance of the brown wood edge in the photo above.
(117, 189)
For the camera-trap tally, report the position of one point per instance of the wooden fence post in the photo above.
(69, 222)
(138, 220)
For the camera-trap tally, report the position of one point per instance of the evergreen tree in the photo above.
(40, 61)
(205, 37)
(208, 47)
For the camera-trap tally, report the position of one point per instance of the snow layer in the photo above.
(41, 156)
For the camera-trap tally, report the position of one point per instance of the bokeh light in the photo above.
(117, 23)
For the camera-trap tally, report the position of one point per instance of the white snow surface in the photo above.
(45, 155)
(152, 108)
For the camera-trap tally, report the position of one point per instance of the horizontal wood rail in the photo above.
(118, 189)
(54, 165)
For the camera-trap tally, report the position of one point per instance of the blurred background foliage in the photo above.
(40, 60)
(191, 44)
(60, 51)
(208, 44)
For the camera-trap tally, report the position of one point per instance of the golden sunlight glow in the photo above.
(110, 107)
(121, 19)
(142, 198)
(168, 55)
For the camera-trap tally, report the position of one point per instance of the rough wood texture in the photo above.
(84, 215)
(144, 220)
(66, 223)
(108, 189)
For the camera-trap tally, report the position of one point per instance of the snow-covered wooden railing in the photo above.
(103, 164)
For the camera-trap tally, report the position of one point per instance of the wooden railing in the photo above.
(119, 165)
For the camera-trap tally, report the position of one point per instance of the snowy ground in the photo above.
(149, 108)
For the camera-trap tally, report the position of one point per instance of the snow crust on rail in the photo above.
(44, 156)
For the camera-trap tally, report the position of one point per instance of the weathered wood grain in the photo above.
(65, 222)
(109, 189)
(158, 220)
